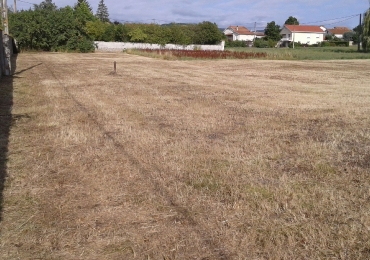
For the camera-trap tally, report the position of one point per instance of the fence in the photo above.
(121, 46)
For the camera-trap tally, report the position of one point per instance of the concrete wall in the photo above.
(120, 46)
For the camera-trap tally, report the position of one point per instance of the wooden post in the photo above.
(115, 67)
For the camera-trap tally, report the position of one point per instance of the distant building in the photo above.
(241, 33)
(305, 34)
(338, 31)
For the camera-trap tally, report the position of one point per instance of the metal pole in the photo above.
(359, 35)
(5, 17)
(255, 23)
(293, 34)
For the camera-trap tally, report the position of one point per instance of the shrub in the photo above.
(261, 43)
(235, 44)
(325, 44)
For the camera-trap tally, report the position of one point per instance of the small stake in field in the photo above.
(114, 72)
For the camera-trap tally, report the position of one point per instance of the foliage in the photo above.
(348, 36)
(272, 31)
(318, 53)
(102, 12)
(46, 5)
(48, 28)
(137, 35)
(207, 33)
(292, 20)
(235, 44)
(264, 43)
(366, 32)
(325, 44)
(84, 2)
(329, 37)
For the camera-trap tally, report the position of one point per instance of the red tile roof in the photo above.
(304, 28)
(339, 30)
(241, 30)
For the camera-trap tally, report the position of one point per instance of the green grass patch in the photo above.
(309, 53)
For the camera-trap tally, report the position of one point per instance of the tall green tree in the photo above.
(272, 31)
(86, 3)
(46, 5)
(366, 32)
(102, 12)
(83, 14)
(292, 20)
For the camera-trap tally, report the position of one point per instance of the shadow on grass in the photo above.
(6, 103)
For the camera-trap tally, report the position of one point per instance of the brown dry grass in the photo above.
(187, 159)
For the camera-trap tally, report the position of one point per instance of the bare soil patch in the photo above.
(225, 159)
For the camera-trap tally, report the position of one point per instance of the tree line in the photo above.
(49, 28)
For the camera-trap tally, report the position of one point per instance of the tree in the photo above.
(102, 12)
(349, 36)
(49, 29)
(83, 13)
(292, 20)
(46, 5)
(366, 32)
(207, 33)
(272, 31)
(84, 2)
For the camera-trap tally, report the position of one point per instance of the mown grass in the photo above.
(198, 159)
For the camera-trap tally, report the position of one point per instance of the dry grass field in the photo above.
(222, 159)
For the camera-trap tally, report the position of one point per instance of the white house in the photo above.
(305, 34)
(338, 31)
(241, 33)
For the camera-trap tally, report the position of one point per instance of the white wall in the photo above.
(120, 46)
(308, 38)
(304, 38)
(245, 37)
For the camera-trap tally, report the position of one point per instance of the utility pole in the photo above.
(255, 23)
(360, 34)
(5, 17)
(6, 40)
(293, 36)
(15, 6)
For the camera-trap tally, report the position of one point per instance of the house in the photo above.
(338, 31)
(305, 34)
(241, 33)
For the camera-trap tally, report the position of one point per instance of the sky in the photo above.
(330, 13)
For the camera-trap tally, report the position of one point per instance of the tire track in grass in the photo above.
(160, 190)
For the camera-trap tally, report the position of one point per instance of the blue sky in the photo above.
(329, 13)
